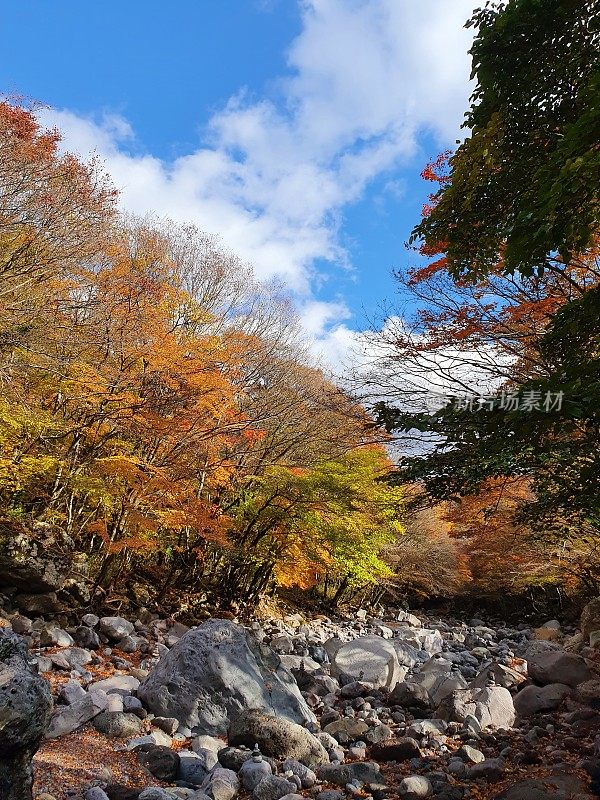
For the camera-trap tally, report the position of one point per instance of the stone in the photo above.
(491, 769)
(52, 636)
(118, 725)
(115, 628)
(119, 683)
(167, 724)
(307, 777)
(550, 787)
(557, 666)
(25, 708)
(273, 787)
(21, 625)
(221, 784)
(46, 603)
(253, 770)
(215, 671)
(415, 786)
(410, 695)
(207, 747)
(155, 793)
(533, 699)
(233, 757)
(590, 618)
(87, 637)
(341, 774)
(368, 658)
(191, 768)
(71, 692)
(95, 793)
(161, 762)
(401, 750)
(276, 737)
(498, 674)
(471, 754)
(589, 693)
(90, 620)
(437, 677)
(547, 634)
(66, 719)
(353, 727)
(492, 707)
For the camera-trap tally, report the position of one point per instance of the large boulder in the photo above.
(25, 708)
(278, 738)
(25, 562)
(549, 787)
(533, 699)
(491, 707)
(557, 666)
(216, 671)
(369, 658)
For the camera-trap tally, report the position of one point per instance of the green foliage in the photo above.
(524, 183)
(556, 449)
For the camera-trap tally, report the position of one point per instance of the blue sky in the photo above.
(295, 130)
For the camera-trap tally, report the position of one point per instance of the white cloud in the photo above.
(366, 77)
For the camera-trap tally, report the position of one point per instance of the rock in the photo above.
(410, 695)
(437, 677)
(492, 707)
(162, 762)
(547, 634)
(273, 787)
(90, 620)
(341, 774)
(551, 787)
(368, 658)
(401, 750)
(253, 770)
(149, 740)
(221, 784)
(276, 737)
(95, 793)
(498, 674)
(87, 637)
(51, 636)
(207, 747)
(590, 618)
(215, 671)
(38, 603)
(66, 719)
(307, 777)
(556, 666)
(118, 725)
(115, 628)
(119, 683)
(589, 693)
(353, 727)
(533, 699)
(24, 560)
(471, 754)
(21, 625)
(233, 757)
(492, 769)
(71, 692)
(415, 786)
(155, 793)
(167, 724)
(25, 707)
(191, 768)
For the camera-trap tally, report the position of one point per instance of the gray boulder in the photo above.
(341, 774)
(116, 628)
(557, 666)
(369, 658)
(533, 699)
(25, 707)
(491, 707)
(66, 719)
(415, 786)
(118, 725)
(216, 671)
(278, 738)
(273, 787)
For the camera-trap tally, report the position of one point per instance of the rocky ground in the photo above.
(397, 706)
